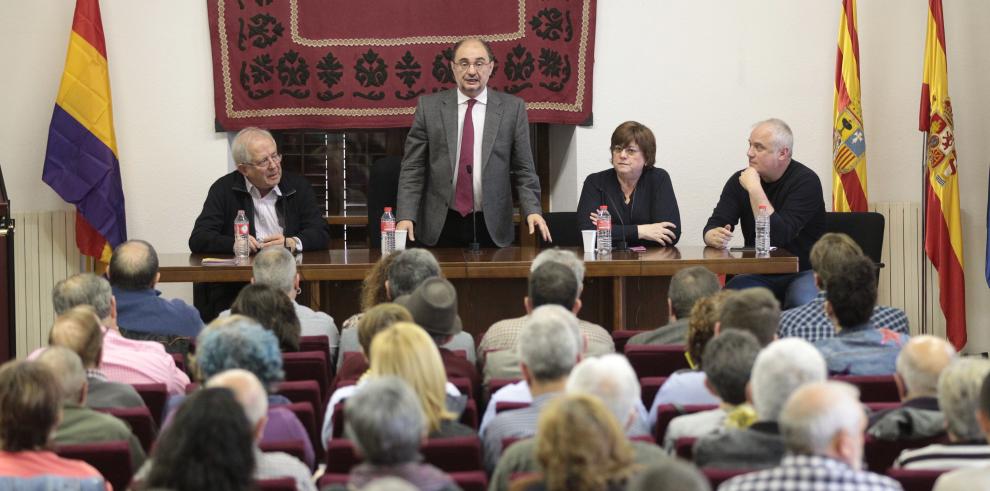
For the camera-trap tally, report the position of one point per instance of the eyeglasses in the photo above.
(273, 159)
(630, 151)
(465, 65)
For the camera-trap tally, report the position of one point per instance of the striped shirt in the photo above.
(945, 456)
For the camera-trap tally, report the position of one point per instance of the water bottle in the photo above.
(763, 231)
(604, 226)
(242, 245)
(388, 231)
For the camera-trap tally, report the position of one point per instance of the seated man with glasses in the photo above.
(639, 196)
(455, 177)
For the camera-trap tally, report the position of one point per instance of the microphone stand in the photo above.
(474, 246)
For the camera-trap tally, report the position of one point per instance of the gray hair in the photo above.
(550, 342)
(83, 289)
(781, 132)
(610, 378)
(274, 266)
(67, 367)
(561, 256)
(385, 421)
(389, 483)
(238, 341)
(247, 390)
(959, 396)
(780, 369)
(238, 149)
(689, 285)
(669, 475)
(410, 268)
(728, 363)
(920, 362)
(816, 413)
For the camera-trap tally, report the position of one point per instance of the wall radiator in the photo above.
(45, 253)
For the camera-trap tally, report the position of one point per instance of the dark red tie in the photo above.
(464, 194)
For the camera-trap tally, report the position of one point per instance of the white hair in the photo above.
(959, 396)
(918, 370)
(610, 378)
(238, 149)
(816, 413)
(274, 266)
(247, 390)
(550, 342)
(780, 132)
(779, 370)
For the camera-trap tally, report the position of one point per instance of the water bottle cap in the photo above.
(388, 208)
(763, 207)
(603, 207)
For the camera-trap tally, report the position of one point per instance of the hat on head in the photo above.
(433, 305)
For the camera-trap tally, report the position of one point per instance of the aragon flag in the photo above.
(943, 222)
(848, 138)
(81, 160)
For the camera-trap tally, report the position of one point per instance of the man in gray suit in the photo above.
(461, 150)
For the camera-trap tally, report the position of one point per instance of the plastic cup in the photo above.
(589, 240)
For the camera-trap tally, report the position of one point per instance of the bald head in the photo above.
(920, 363)
(824, 418)
(134, 266)
(247, 390)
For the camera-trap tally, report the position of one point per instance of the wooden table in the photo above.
(624, 290)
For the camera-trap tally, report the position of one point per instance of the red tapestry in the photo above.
(339, 64)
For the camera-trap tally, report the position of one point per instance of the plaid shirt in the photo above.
(504, 335)
(811, 472)
(810, 322)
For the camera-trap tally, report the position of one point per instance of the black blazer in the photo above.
(652, 201)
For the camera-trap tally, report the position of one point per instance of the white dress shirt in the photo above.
(478, 118)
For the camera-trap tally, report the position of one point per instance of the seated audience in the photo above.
(141, 312)
(273, 310)
(405, 350)
(859, 347)
(809, 321)
(780, 369)
(374, 320)
(547, 286)
(548, 350)
(240, 342)
(30, 408)
(611, 379)
(372, 293)
(387, 425)
(209, 446)
(80, 424)
(407, 270)
(728, 363)
(124, 360)
(959, 397)
(822, 428)
(669, 475)
(580, 447)
(687, 286)
(276, 267)
(919, 365)
(972, 477)
(79, 330)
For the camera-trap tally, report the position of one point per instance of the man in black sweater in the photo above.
(792, 194)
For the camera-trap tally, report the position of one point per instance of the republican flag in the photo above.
(943, 222)
(81, 160)
(848, 138)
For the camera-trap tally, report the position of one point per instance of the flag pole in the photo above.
(924, 325)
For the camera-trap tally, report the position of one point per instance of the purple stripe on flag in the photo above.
(84, 172)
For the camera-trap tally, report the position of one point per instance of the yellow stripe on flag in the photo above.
(85, 90)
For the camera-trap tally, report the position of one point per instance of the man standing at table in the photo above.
(462, 150)
(792, 194)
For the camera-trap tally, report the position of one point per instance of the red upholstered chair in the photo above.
(502, 406)
(471, 480)
(656, 360)
(140, 421)
(916, 480)
(873, 388)
(280, 484)
(470, 415)
(684, 447)
(718, 476)
(112, 459)
(154, 396)
(341, 456)
(463, 384)
(180, 361)
(643, 438)
(295, 448)
(875, 407)
(302, 391)
(304, 411)
(492, 387)
(880, 454)
(649, 386)
(314, 343)
(456, 454)
(309, 365)
(667, 412)
(621, 337)
(338, 421)
(328, 479)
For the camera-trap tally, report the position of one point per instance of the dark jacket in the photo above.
(652, 201)
(298, 213)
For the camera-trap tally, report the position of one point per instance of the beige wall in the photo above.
(698, 73)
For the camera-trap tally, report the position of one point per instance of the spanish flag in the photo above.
(943, 222)
(848, 138)
(81, 160)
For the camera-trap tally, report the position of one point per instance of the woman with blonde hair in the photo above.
(581, 447)
(373, 321)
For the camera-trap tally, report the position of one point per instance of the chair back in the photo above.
(684, 447)
(873, 388)
(154, 396)
(314, 343)
(916, 480)
(881, 454)
(309, 365)
(112, 459)
(621, 337)
(383, 187)
(564, 229)
(656, 360)
(280, 484)
(456, 454)
(649, 386)
(865, 228)
(471, 480)
(469, 416)
(502, 406)
(139, 419)
(667, 412)
(302, 391)
(307, 417)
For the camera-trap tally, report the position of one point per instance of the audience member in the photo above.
(210, 446)
(580, 447)
(372, 289)
(273, 310)
(978, 477)
(859, 347)
(687, 286)
(919, 365)
(80, 424)
(30, 408)
(754, 310)
(611, 379)
(557, 285)
(387, 425)
(253, 399)
(124, 360)
(809, 321)
(669, 475)
(549, 347)
(780, 369)
(141, 312)
(728, 363)
(959, 398)
(376, 319)
(822, 427)
(79, 330)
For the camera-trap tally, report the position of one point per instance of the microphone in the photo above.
(620, 243)
(474, 246)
